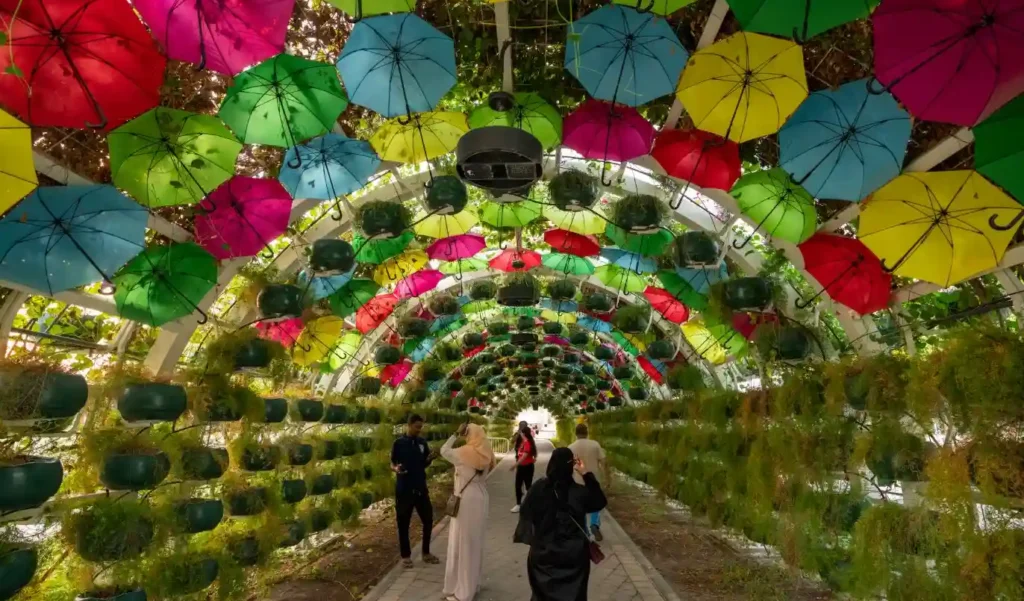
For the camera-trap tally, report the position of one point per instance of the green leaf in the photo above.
(3, 38)
(14, 70)
(198, 164)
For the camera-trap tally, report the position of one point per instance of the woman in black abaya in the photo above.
(551, 522)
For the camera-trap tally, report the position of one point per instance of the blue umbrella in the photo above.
(624, 56)
(443, 321)
(634, 262)
(844, 144)
(328, 167)
(323, 286)
(701, 280)
(422, 351)
(397, 65)
(62, 237)
(594, 325)
(560, 306)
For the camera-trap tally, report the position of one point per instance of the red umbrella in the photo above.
(699, 157)
(515, 260)
(476, 350)
(666, 304)
(373, 313)
(78, 63)
(650, 369)
(286, 332)
(572, 243)
(395, 374)
(748, 323)
(848, 271)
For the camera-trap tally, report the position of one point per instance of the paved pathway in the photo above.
(622, 576)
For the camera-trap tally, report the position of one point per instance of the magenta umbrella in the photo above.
(454, 248)
(241, 216)
(955, 62)
(286, 332)
(418, 283)
(605, 132)
(225, 36)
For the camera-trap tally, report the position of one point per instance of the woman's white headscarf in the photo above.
(477, 452)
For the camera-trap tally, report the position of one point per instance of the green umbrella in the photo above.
(365, 8)
(998, 153)
(626, 345)
(648, 245)
(283, 101)
(453, 326)
(659, 7)
(353, 295)
(168, 157)
(165, 283)
(679, 288)
(343, 352)
(568, 264)
(378, 251)
(621, 278)
(779, 205)
(475, 307)
(514, 214)
(466, 266)
(527, 311)
(799, 19)
(530, 113)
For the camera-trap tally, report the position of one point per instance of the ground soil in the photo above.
(699, 563)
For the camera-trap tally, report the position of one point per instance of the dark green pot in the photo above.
(661, 350)
(278, 301)
(579, 339)
(387, 355)
(366, 499)
(382, 220)
(561, 290)
(250, 501)
(604, 353)
(497, 328)
(295, 532)
(300, 454)
(373, 415)
(553, 329)
(56, 395)
(275, 410)
(747, 294)
(134, 472)
(320, 520)
(603, 385)
(336, 414)
(525, 323)
(349, 446)
(446, 195)
(623, 372)
(365, 444)
(615, 401)
(129, 541)
(588, 369)
(638, 394)
(30, 484)
(330, 449)
(261, 459)
(254, 354)
(573, 190)
(418, 396)
(695, 249)
(203, 463)
(192, 577)
(293, 491)
(570, 359)
(793, 343)
(482, 290)
(367, 385)
(152, 402)
(113, 595)
(309, 410)
(413, 327)
(471, 370)
(199, 515)
(18, 564)
(472, 340)
(637, 213)
(331, 256)
(323, 484)
(454, 386)
(598, 302)
(518, 295)
(245, 551)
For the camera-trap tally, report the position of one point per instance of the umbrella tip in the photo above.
(501, 101)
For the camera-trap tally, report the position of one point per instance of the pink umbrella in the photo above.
(286, 332)
(598, 130)
(242, 216)
(555, 339)
(225, 36)
(418, 283)
(454, 248)
(395, 374)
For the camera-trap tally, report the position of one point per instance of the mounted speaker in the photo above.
(501, 160)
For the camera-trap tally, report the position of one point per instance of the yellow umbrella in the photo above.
(554, 316)
(420, 137)
(704, 343)
(744, 87)
(640, 341)
(317, 339)
(578, 222)
(17, 174)
(443, 226)
(397, 268)
(942, 227)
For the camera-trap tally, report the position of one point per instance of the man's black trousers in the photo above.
(406, 501)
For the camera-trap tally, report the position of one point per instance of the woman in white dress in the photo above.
(465, 560)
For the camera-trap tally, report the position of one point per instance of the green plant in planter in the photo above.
(252, 456)
(519, 289)
(387, 355)
(598, 302)
(662, 350)
(579, 338)
(638, 213)
(127, 461)
(632, 319)
(553, 328)
(110, 529)
(562, 290)
(278, 301)
(382, 219)
(685, 377)
(448, 352)
(498, 328)
(32, 388)
(196, 462)
(525, 322)
(331, 256)
(431, 370)
(198, 515)
(443, 304)
(695, 249)
(182, 574)
(112, 593)
(746, 294)
(573, 190)
(411, 326)
(482, 290)
(604, 353)
(472, 340)
(367, 385)
(219, 400)
(18, 563)
(446, 195)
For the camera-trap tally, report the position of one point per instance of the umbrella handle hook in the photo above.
(738, 245)
(337, 207)
(872, 90)
(295, 162)
(404, 120)
(1009, 226)
(800, 303)
(643, 7)
(606, 183)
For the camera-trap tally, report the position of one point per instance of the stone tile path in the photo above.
(623, 576)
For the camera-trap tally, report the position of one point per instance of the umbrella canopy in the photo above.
(998, 153)
(798, 19)
(715, 343)
(568, 264)
(285, 332)
(744, 87)
(938, 226)
(169, 157)
(17, 172)
(323, 286)
(564, 306)
(658, 7)
(599, 130)
(781, 207)
(62, 237)
(651, 369)
(587, 223)
(77, 63)
(620, 278)
(397, 65)
(242, 216)
(422, 349)
(530, 113)
(367, 8)
(283, 101)
(353, 295)
(327, 167)
(624, 56)
(399, 267)
(514, 214)
(629, 260)
(514, 259)
(421, 137)
(555, 316)
(700, 158)
(378, 251)
(345, 350)
(666, 304)
(846, 143)
(454, 248)
(418, 283)
(164, 283)
(678, 287)
(373, 313)
(564, 241)
(445, 226)
(394, 375)
(225, 36)
(648, 245)
(848, 271)
(747, 324)
(463, 266)
(317, 339)
(702, 279)
(955, 65)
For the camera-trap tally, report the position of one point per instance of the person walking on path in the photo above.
(465, 560)
(410, 456)
(592, 454)
(526, 460)
(558, 565)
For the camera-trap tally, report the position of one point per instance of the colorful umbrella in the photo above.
(648, 245)
(394, 375)
(422, 349)
(781, 207)
(353, 295)
(77, 63)
(285, 332)
(514, 259)
(564, 241)
(165, 283)
(849, 272)
(998, 152)
(701, 279)
(17, 172)
(514, 214)
(714, 344)
(844, 144)
(634, 262)
(587, 223)
(373, 313)
(941, 227)
(558, 317)
(418, 283)
(666, 304)
(698, 157)
(463, 266)
(620, 278)
(567, 264)
(283, 101)
(798, 19)
(624, 343)
(62, 237)
(957, 64)
(378, 251)
(399, 267)
(529, 112)
(744, 87)
(358, 9)
(421, 137)
(396, 65)
(445, 226)
(224, 36)
(562, 306)
(345, 350)
(317, 339)
(169, 157)
(242, 216)
(323, 286)
(747, 324)
(455, 248)
(678, 287)
(650, 369)
(624, 56)
(328, 167)
(604, 132)
(658, 7)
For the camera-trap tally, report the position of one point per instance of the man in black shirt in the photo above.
(410, 457)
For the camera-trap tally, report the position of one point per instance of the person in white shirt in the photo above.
(591, 454)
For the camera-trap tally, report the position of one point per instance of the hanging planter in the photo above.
(419, 395)
(39, 392)
(684, 377)
(110, 594)
(331, 256)
(695, 249)
(600, 405)
(472, 340)
(588, 369)
(299, 453)
(245, 502)
(27, 482)
(443, 305)
(387, 355)
(256, 353)
(366, 499)
(152, 402)
(573, 190)
(639, 213)
(221, 410)
(632, 320)
(320, 520)
(367, 385)
(562, 290)
(792, 343)
(245, 551)
(294, 533)
(446, 195)
(747, 294)
(198, 515)
(431, 372)
(449, 352)
(329, 449)
(482, 290)
(579, 338)
(336, 414)
(638, 394)
(373, 415)
(323, 484)
(382, 219)
(280, 301)
(615, 401)
(111, 530)
(604, 353)
(18, 563)
(470, 370)
(413, 327)
(365, 444)
(454, 386)
(598, 302)
(525, 322)
(260, 458)
(136, 469)
(191, 576)
(497, 328)
(623, 372)
(203, 463)
(662, 350)
(523, 339)
(603, 385)
(293, 491)
(552, 328)
(309, 410)
(550, 350)
(519, 289)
